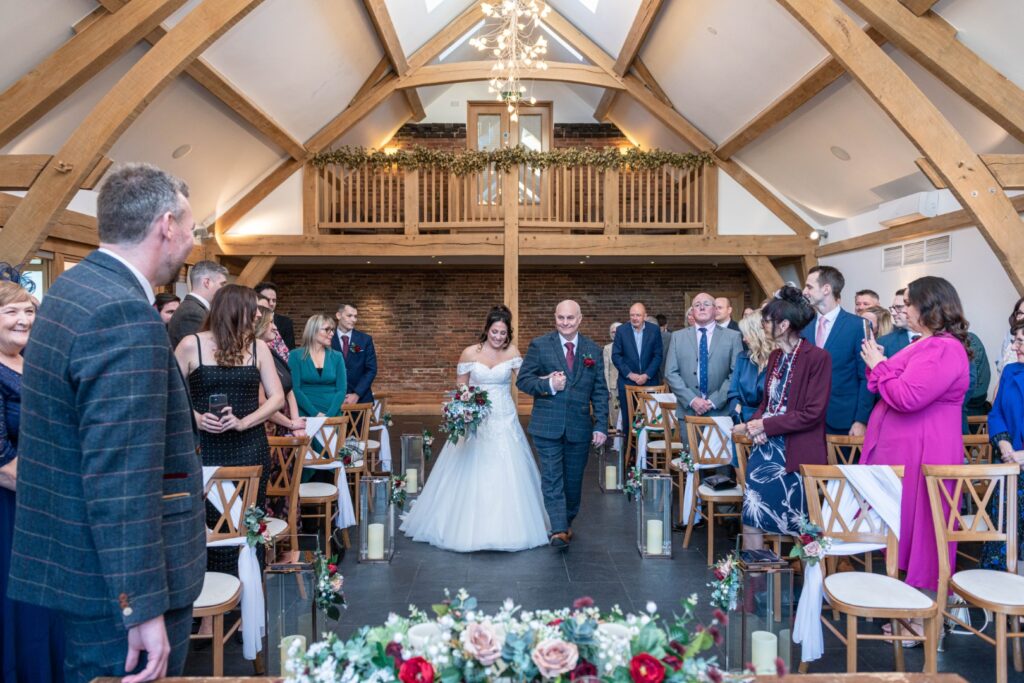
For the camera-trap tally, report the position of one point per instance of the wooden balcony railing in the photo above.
(571, 200)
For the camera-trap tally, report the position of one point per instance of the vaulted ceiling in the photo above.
(720, 62)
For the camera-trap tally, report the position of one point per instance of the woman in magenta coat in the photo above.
(917, 420)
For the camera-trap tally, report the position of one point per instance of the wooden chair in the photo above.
(1000, 592)
(322, 496)
(977, 424)
(709, 452)
(287, 454)
(632, 407)
(656, 419)
(865, 594)
(843, 450)
(360, 416)
(669, 446)
(977, 449)
(235, 489)
(380, 407)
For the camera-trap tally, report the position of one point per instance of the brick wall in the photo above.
(421, 319)
(453, 135)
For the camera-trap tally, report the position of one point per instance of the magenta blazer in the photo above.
(804, 422)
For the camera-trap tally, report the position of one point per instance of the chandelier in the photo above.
(510, 44)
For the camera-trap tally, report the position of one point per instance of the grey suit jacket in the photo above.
(568, 412)
(110, 517)
(188, 319)
(681, 370)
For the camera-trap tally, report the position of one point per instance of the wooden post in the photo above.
(710, 174)
(310, 203)
(510, 200)
(611, 201)
(412, 205)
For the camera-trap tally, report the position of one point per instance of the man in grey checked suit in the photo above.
(700, 362)
(564, 372)
(109, 527)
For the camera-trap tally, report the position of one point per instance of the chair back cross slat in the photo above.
(844, 450)
(709, 445)
(232, 491)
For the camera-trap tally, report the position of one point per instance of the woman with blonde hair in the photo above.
(318, 371)
(747, 387)
(880, 319)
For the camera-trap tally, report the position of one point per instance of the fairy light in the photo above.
(514, 50)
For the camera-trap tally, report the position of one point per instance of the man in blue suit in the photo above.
(637, 353)
(564, 372)
(360, 356)
(840, 333)
(901, 335)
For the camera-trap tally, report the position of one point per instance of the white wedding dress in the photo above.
(484, 492)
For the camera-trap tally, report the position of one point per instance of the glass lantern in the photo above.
(654, 515)
(376, 520)
(761, 627)
(290, 587)
(609, 470)
(414, 464)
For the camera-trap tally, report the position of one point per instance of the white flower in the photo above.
(398, 637)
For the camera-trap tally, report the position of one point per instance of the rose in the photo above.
(555, 657)
(416, 670)
(805, 539)
(332, 568)
(584, 668)
(588, 362)
(482, 643)
(465, 396)
(585, 601)
(813, 549)
(644, 668)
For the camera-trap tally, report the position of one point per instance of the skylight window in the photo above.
(589, 4)
(433, 4)
(573, 51)
(462, 39)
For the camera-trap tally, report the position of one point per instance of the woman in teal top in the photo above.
(318, 371)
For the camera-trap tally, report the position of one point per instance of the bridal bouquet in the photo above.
(466, 644)
(465, 411)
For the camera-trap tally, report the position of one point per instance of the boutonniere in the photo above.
(588, 361)
(355, 348)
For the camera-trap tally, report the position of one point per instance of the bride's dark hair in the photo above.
(498, 314)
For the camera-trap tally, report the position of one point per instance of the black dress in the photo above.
(241, 383)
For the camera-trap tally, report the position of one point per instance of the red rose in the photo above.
(719, 575)
(416, 670)
(780, 667)
(714, 675)
(356, 348)
(672, 661)
(394, 650)
(805, 539)
(584, 668)
(644, 668)
(721, 617)
(585, 601)
(263, 527)
(588, 362)
(678, 647)
(332, 568)
(716, 634)
(481, 400)
(555, 622)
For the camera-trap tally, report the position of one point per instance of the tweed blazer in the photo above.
(568, 412)
(110, 517)
(681, 370)
(188, 319)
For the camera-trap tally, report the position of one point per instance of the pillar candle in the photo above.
(286, 644)
(611, 478)
(655, 533)
(764, 646)
(785, 648)
(412, 483)
(375, 542)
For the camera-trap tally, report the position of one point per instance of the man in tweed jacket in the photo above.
(564, 372)
(109, 527)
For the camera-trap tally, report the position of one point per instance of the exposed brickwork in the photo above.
(453, 135)
(422, 319)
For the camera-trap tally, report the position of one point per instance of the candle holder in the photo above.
(761, 627)
(290, 587)
(413, 464)
(609, 470)
(376, 520)
(654, 515)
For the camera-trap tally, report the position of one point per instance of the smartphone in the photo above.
(868, 332)
(218, 402)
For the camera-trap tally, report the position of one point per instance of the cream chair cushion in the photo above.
(218, 589)
(991, 586)
(276, 526)
(708, 492)
(874, 591)
(660, 445)
(317, 489)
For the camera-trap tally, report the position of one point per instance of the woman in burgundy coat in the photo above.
(788, 429)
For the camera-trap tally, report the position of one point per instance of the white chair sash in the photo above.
(384, 438)
(254, 625)
(883, 491)
(346, 516)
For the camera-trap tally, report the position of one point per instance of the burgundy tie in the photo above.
(344, 346)
(570, 358)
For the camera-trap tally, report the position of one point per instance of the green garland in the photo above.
(505, 159)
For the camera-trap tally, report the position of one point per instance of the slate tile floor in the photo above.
(602, 563)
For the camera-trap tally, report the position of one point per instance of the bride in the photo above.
(484, 492)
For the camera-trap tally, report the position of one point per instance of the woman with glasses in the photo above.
(1007, 355)
(318, 371)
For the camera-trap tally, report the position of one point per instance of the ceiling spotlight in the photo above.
(369, 261)
(839, 153)
(819, 234)
(582, 262)
(181, 151)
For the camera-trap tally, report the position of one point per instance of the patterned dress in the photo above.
(773, 500)
(233, 448)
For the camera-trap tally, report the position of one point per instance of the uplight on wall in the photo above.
(819, 234)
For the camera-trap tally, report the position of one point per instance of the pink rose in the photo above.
(482, 643)
(555, 657)
(813, 549)
(465, 396)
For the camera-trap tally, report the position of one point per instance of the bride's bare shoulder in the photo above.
(512, 352)
(470, 353)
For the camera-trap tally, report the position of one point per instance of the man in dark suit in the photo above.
(360, 356)
(205, 278)
(564, 372)
(637, 353)
(841, 334)
(723, 314)
(285, 327)
(901, 334)
(110, 527)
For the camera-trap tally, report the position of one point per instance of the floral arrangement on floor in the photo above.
(350, 453)
(398, 491)
(256, 532)
(329, 585)
(465, 411)
(811, 545)
(632, 486)
(726, 584)
(428, 440)
(464, 644)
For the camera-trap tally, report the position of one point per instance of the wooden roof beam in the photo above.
(566, 72)
(19, 171)
(764, 272)
(629, 54)
(968, 178)
(255, 270)
(75, 62)
(816, 80)
(918, 7)
(1008, 169)
(60, 180)
(931, 42)
(71, 226)
(388, 37)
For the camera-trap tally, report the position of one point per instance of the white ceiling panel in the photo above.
(417, 21)
(31, 29)
(606, 22)
(301, 61)
(992, 29)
